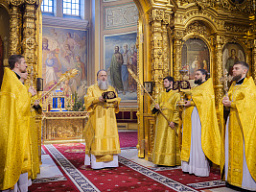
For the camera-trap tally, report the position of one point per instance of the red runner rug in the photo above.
(118, 179)
(59, 186)
(129, 176)
(212, 181)
(128, 139)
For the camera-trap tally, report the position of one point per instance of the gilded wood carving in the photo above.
(172, 23)
(23, 22)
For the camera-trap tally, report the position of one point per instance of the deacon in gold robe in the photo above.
(101, 134)
(14, 121)
(201, 139)
(240, 134)
(166, 146)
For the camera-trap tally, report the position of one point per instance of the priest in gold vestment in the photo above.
(240, 134)
(201, 140)
(101, 134)
(166, 146)
(14, 121)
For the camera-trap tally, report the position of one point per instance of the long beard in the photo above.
(198, 82)
(103, 85)
(237, 78)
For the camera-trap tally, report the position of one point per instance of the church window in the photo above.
(47, 6)
(71, 7)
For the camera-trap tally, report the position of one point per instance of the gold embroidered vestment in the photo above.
(242, 129)
(14, 129)
(101, 133)
(166, 146)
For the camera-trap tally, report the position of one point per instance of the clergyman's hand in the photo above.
(172, 125)
(157, 106)
(101, 99)
(115, 104)
(226, 102)
(36, 103)
(32, 91)
(187, 103)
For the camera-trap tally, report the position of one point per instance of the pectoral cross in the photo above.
(226, 79)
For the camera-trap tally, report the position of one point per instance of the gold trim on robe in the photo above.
(101, 133)
(204, 100)
(14, 129)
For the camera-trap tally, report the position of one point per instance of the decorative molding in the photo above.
(165, 52)
(226, 4)
(157, 15)
(14, 31)
(31, 2)
(29, 37)
(178, 34)
(65, 23)
(15, 2)
(120, 16)
(107, 1)
(159, 20)
(177, 57)
(161, 1)
(182, 18)
(236, 28)
(200, 29)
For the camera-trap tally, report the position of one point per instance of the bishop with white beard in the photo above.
(101, 134)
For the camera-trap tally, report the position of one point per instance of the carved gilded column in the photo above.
(218, 69)
(254, 61)
(157, 50)
(159, 21)
(15, 26)
(177, 57)
(20, 35)
(166, 21)
(29, 34)
(139, 46)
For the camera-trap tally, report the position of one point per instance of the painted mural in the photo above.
(195, 55)
(120, 54)
(232, 53)
(62, 50)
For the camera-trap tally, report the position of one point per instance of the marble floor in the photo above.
(48, 171)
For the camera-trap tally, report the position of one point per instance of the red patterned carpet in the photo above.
(128, 139)
(129, 176)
